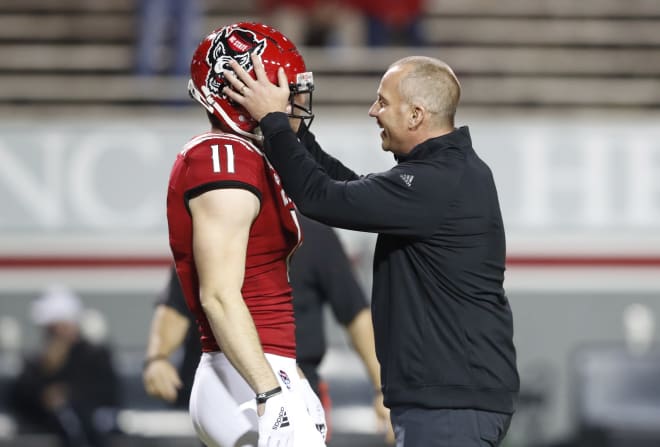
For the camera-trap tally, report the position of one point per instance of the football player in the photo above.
(232, 230)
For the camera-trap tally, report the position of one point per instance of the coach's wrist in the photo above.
(263, 397)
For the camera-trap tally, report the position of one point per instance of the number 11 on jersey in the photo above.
(215, 154)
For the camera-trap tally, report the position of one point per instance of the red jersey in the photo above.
(219, 160)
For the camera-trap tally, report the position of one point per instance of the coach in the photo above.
(443, 325)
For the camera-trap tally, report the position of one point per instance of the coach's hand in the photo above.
(275, 429)
(258, 96)
(161, 380)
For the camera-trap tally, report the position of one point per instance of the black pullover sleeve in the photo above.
(388, 202)
(333, 167)
(172, 296)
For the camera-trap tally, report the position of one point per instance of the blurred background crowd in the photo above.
(563, 102)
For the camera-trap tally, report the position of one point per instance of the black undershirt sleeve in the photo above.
(172, 295)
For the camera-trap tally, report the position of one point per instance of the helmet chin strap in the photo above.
(205, 98)
(233, 126)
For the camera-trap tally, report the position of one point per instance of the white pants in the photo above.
(223, 406)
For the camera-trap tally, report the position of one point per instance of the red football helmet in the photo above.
(238, 42)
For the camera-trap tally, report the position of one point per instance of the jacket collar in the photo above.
(459, 138)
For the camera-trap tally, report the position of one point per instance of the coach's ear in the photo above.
(416, 117)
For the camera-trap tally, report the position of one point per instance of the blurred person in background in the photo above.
(167, 35)
(442, 321)
(316, 23)
(232, 231)
(392, 22)
(172, 327)
(70, 387)
(320, 274)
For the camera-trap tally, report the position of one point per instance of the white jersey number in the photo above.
(215, 154)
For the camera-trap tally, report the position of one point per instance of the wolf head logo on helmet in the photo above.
(238, 42)
(228, 44)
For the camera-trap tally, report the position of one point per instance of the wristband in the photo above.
(263, 397)
(150, 360)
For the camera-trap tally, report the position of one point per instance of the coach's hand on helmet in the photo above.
(275, 429)
(258, 96)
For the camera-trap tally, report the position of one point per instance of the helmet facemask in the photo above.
(300, 100)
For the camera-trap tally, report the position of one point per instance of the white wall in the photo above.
(579, 185)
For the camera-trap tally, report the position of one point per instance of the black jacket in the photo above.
(443, 326)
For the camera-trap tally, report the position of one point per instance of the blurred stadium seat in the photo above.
(508, 53)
